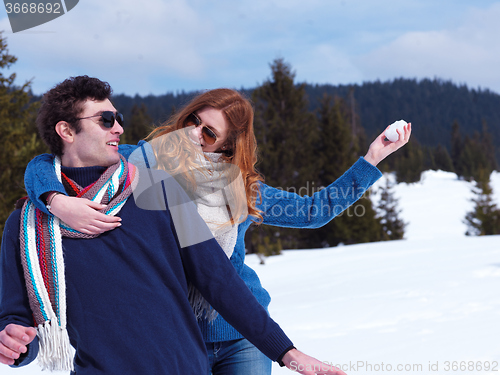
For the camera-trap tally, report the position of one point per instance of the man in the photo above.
(120, 298)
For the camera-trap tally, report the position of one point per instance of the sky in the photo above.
(428, 304)
(161, 46)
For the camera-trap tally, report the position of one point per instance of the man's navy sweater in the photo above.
(127, 305)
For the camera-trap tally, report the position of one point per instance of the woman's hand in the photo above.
(81, 214)
(380, 148)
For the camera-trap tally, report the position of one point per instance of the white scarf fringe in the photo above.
(55, 349)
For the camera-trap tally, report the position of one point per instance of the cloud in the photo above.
(161, 45)
(124, 41)
(166, 45)
(325, 63)
(469, 52)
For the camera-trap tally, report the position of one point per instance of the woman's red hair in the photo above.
(240, 146)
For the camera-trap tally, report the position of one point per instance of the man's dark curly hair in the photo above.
(64, 103)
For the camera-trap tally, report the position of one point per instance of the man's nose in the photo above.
(117, 128)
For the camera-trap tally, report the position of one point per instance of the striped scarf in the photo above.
(43, 261)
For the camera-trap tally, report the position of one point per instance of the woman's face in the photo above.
(214, 120)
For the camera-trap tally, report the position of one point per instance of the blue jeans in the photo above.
(237, 357)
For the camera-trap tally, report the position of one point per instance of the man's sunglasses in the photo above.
(208, 135)
(108, 118)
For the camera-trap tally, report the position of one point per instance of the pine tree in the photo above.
(467, 158)
(286, 131)
(287, 135)
(457, 146)
(409, 162)
(429, 160)
(487, 150)
(442, 159)
(338, 151)
(139, 125)
(357, 224)
(475, 156)
(18, 135)
(338, 144)
(484, 219)
(392, 226)
(264, 240)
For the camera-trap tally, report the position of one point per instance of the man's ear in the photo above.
(65, 131)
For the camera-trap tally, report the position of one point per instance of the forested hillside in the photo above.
(431, 105)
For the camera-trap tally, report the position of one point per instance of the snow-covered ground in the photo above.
(428, 304)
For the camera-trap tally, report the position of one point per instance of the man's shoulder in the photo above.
(11, 228)
(13, 219)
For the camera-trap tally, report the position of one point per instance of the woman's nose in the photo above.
(196, 133)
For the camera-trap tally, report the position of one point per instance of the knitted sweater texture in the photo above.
(280, 208)
(127, 305)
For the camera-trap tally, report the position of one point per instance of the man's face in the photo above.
(95, 145)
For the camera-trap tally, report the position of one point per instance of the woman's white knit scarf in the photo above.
(212, 204)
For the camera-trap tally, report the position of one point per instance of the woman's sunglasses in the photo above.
(108, 118)
(208, 135)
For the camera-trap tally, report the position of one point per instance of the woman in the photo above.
(220, 123)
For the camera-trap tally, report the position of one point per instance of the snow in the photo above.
(391, 133)
(435, 207)
(430, 300)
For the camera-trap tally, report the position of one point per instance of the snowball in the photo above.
(391, 133)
